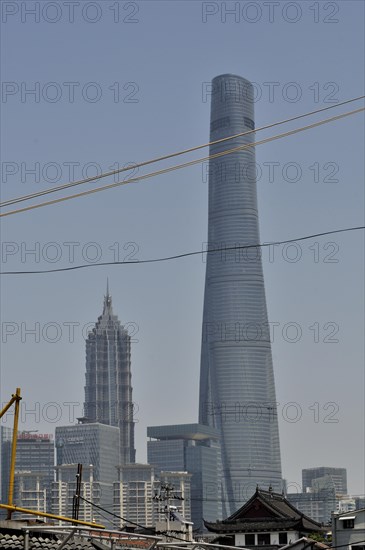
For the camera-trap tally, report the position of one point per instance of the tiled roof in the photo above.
(16, 541)
(265, 511)
(251, 526)
(274, 502)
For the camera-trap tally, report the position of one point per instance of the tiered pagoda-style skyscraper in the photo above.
(108, 389)
(237, 390)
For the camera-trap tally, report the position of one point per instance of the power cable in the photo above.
(151, 529)
(183, 165)
(172, 536)
(116, 515)
(171, 155)
(186, 254)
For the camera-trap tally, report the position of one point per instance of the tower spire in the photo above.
(107, 298)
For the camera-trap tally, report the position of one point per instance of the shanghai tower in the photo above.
(237, 389)
(108, 388)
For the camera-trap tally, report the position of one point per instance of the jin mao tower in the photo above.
(108, 389)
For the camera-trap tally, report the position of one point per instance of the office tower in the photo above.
(317, 504)
(334, 476)
(237, 390)
(108, 389)
(90, 444)
(34, 468)
(133, 494)
(95, 445)
(195, 449)
(5, 436)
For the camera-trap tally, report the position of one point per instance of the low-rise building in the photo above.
(268, 519)
(349, 530)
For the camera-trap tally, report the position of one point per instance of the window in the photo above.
(348, 524)
(250, 540)
(283, 538)
(263, 538)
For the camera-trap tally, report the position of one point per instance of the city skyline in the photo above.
(140, 91)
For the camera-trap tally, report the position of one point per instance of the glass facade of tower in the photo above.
(87, 444)
(195, 449)
(335, 476)
(108, 388)
(34, 467)
(96, 447)
(237, 390)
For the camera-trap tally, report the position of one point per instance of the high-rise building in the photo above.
(237, 390)
(34, 468)
(316, 504)
(108, 388)
(180, 483)
(64, 490)
(92, 445)
(133, 494)
(334, 476)
(31, 492)
(143, 496)
(5, 437)
(95, 444)
(195, 449)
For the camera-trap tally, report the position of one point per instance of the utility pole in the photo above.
(166, 494)
(76, 497)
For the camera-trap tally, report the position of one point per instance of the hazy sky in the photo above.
(116, 82)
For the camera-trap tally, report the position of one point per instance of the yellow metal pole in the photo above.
(13, 508)
(17, 399)
(7, 406)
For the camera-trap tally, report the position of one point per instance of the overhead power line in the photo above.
(183, 165)
(151, 529)
(171, 155)
(173, 536)
(186, 254)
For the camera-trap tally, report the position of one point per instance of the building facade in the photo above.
(95, 445)
(5, 437)
(348, 530)
(316, 504)
(334, 476)
(237, 390)
(63, 493)
(108, 387)
(31, 492)
(34, 468)
(90, 444)
(179, 498)
(133, 494)
(193, 448)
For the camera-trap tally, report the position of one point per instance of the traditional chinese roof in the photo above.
(265, 511)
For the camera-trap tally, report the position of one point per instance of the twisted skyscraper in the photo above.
(108, 389)
(237, 390)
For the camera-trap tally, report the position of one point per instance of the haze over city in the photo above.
(123, 82)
